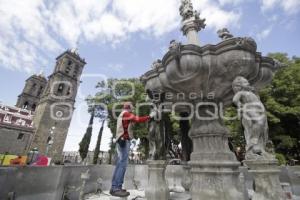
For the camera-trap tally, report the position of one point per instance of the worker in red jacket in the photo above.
(124, 134)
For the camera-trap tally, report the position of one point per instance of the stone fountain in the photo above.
(198, 80)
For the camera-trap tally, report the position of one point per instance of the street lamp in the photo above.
(50, 139)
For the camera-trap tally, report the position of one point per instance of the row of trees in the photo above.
(112, 93)
(281, 99)
(96, 111)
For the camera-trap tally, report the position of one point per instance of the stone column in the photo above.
(190, 29)
(214, 168)
(157, 187)
(266, 179)
(191, 22)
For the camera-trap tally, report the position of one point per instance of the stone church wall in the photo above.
(14, 140)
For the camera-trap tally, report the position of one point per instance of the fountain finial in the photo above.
(186, 9)
(192, 23)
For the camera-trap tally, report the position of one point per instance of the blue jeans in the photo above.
(121, 165)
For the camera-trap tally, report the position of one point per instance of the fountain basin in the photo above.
(201, 73)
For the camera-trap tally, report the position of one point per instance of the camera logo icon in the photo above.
(61, 111)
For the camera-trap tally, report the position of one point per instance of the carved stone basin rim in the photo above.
(196, 64)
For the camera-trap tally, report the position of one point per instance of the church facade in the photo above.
(16, 130)
(51, 103)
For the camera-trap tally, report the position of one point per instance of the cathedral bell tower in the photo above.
(32, 92)
(55, 109)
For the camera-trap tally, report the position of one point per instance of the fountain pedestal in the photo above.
(186, 181)
(214, 168)
(157, 187)
(266, 179)
(198, 80)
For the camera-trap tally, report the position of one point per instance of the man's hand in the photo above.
(122, 142)
(152, 114)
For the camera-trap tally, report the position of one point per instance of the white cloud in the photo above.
(107, 28)
(273, 18)
(23, 35)
(289, 6)
(32, 31)
(155, 16)
(216, 17)
(229, 2)
(264, 33)
(71, 19)
(268, 4)
(116, 67)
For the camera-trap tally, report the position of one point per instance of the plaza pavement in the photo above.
(140, 195)
(136, 195)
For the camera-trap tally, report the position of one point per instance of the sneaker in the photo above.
(124, 190)
(119, 193)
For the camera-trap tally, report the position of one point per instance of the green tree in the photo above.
(235, 128)
(282, 101)
(113, 100)
(97, 148)
(101, 113)
(85, 142)
(113, 93)
(186, 142)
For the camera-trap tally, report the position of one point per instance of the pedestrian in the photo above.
(124, 134)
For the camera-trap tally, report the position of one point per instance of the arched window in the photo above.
(60, 89)
(69, 91)
(40, 91)
(33, 107)
(68, 69)
(20, 136)
(25, 105)
(33, 88)
(75, 71)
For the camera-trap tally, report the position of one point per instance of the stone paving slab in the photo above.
(140, 195)
(136, 195)
(296, 197)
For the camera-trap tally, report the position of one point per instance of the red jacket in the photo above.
(129, 117)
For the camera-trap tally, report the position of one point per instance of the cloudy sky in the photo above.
(121, 38)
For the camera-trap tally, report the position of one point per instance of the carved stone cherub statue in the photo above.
(224, 34)
(157, 134)
(175, 49)
(254, 119)
(156, 64)
(174, 45)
